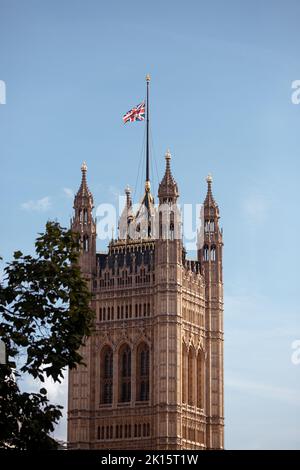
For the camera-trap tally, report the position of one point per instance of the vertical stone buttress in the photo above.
(210, 256)
(167, 333)
(81, 380)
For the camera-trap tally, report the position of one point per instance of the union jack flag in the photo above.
(135, 114)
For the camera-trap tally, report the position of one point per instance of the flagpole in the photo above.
(147, 135)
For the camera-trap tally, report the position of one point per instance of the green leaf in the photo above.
(45, 317)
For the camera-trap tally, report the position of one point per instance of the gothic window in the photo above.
(213, 253)
(205, 253)
(160, 224)
(191, 377)
(200, 380)
(172, 225)
(80, 215)
(85, 243)
(143, 357)
(106, 365)
(184, 373)
(125, 373)
(85, 216)
(209, 226)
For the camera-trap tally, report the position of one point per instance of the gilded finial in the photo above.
(168, 155)
(84, 167)
(209, 178)
(147, 186)
(147, 78)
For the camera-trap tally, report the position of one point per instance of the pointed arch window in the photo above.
(205, 253)
(85, 216)
(209, 226)
(125, 373)
(143, 358)
(172, 225)
(106, 369)
(200, 380)
(191, 377)
(85, 243)
(184, 374)
(160, 224)
(213, 253)
(80, 215)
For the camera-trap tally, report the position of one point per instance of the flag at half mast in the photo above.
(135, 114)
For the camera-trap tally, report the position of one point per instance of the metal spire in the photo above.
(147, 137)
(147, 201)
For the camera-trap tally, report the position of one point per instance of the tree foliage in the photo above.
(26, 419)
(45, 317)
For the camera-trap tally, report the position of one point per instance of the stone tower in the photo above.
(154, 365)
(210, 256)
(84, 224)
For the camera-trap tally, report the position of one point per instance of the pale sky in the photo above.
(221, 89)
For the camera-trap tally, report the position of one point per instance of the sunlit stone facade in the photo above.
(154, 365)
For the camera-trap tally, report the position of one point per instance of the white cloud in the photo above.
(69, 193)
(57, 395)
(40, 205)
(56, 391)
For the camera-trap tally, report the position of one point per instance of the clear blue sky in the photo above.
(221, 100)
